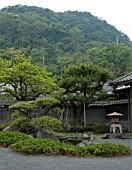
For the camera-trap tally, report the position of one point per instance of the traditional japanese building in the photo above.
(122, 87)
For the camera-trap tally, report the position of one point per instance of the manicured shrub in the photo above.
(109, 149)
(47, 123)
(46, 146)
(9, 137)
(77, 128)
(100, 128)
(31, 146)
(16, 114)
(51, 147)
(22, 124)
(23, 108)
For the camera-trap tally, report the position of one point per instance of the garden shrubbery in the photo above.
(93, 127)
(46, 146)
(22, 143)
(23, 124)
(31, 126)
(47, 123)
(76, 128)
(9, 137)
(51, 147)
(100, 128)
(108, 149)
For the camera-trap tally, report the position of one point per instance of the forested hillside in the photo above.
(58, 39)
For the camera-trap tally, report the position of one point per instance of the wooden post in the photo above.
(67, 115)
(85, 123)
(62, 113)
(131, 107)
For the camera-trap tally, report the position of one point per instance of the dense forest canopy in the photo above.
(59, 39)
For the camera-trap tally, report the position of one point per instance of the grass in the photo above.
(69, 134)
(78, 134)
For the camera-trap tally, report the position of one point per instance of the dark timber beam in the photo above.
(131, 107)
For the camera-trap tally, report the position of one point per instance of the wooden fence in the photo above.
(95, 114)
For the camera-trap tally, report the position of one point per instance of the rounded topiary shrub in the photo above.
(47, 123)
(22, 124)
(100, 128)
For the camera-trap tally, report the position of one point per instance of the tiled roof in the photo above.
(108, 103)
(123, 80)
(96, 103)
(123, 87)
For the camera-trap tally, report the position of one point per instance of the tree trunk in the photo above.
(67, 115)
(61, 115)
(84, 116)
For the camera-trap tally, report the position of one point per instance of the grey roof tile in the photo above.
(108, 103)
(123, 80)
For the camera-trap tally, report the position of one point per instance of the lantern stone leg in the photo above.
(113, 128)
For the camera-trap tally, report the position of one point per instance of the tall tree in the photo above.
(21, 79)
(84, 82)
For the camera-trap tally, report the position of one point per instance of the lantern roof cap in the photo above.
(115, 114)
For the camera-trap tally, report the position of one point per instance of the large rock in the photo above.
(88, 137)
(31, 136)
(47, 134)
(110, 136)
(8, 128)
(85, 143)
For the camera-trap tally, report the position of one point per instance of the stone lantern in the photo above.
(115, 124)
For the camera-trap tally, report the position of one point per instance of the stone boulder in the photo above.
(88, 137)
(8, 128)
(47, 134)
(31, 136)
(85, 143)
(110, 136)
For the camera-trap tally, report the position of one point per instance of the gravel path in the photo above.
(127, 142)
(14, 161)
